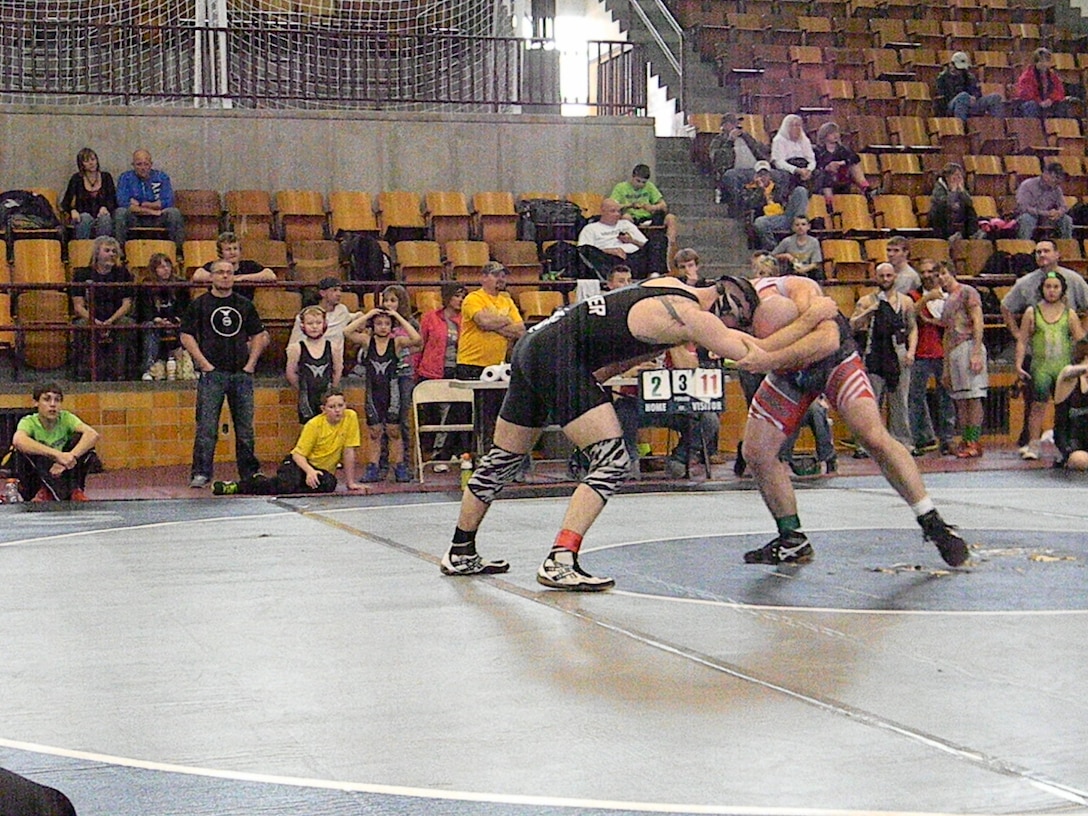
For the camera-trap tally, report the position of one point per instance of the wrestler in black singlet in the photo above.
(553, 364)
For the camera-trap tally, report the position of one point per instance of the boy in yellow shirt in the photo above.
(327, 440)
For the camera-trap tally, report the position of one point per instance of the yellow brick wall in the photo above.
(153, 424)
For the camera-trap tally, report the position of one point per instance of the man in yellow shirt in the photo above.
(326, 441)
(489, 322)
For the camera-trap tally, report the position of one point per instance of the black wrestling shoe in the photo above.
(952, 548)
(788, 548)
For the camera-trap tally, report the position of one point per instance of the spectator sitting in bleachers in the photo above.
(1040, 202)
(772, 206)
(90, 198)
(960, 94)
(733, 156)
(245, 271)
(837, 166)
(159, 310)
(112, 305)
(951, 210)
(643, 205)
(1040, 89)
(800, 251)
(145, 198)
(791, 150)
(613, 240)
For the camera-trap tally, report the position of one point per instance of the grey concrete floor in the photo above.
(306, 656)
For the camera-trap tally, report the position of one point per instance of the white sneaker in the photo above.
(442, 468)
(1029, 452)
(561, 571)
(147, 377)
(453, 564)
(1024, 450)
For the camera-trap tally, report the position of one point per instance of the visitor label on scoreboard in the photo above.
(680, 390)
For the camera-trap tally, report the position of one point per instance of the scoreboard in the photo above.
(681, 391)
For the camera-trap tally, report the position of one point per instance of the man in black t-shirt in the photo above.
(224, 334)
(245, 271)
(111, 307)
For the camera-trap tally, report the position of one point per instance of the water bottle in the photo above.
(466, 469)
(11, 492)
(171, 369)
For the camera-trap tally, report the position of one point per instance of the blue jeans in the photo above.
(170, 220)
(766, 225)
(921, 425)
(91, 226)
(1026, 224)
(964, 105)
(237, 389)
(152, 345)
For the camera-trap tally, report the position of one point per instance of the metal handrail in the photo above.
(677, 61)
(297, 66)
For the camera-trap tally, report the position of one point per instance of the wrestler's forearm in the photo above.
(813, 347)
(787, 335)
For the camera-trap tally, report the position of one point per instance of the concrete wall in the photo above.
(370, 151)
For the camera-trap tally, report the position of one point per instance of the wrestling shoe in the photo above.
(453, 564)
(372, 474)
(788, 548)
(224, 488)
(400, 472)
(43, 495)
(560, 570)
(77, 495)
(953, 549)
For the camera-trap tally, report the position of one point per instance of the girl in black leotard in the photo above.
(378, 359)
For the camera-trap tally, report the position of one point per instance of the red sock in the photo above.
(568, 540)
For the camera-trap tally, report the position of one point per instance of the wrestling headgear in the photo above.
(737, 302)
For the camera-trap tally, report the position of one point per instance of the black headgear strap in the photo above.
(737, 298)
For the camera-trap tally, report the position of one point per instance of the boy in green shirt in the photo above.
(327, 440)
(52, 450)
(642, 203)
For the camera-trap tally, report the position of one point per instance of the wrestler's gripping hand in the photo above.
(821, 309)
(756, 360)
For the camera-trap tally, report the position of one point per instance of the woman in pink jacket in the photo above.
(440, 330)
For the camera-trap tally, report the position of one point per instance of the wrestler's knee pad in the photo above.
(496, 470)
(609, 465)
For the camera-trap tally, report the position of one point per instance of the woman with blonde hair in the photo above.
(792, 151)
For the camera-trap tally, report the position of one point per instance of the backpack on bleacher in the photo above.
(544, 215)
(26, 210)
(365, 259)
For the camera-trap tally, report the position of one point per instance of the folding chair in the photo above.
(430, 392)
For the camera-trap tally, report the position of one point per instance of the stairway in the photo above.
(701, 91)
(704, 225)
